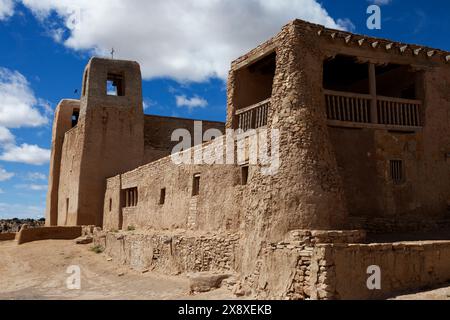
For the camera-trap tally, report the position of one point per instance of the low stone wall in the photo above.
(341, 270)
(47, 233)
(284, 269)
(311, 237)
(320, 265)
(307, 265)
(7, 236)
(171, 253)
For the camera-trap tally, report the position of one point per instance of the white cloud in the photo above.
(6, 137)
(191, 103)
(148, 103)
(5, 175)
(347, 23)
(8, 211)
(19, 108)
(33, 187)
(185, 40)
(35, 176)
(6, 9)
(18, 102)
(25, 153)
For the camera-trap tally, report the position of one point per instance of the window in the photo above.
(115, 85)
(396, 171)
(196, 185)
(244, 175)
(131, 197)
(75, 117)
(162, 196)
(67, 206)
(110, 204)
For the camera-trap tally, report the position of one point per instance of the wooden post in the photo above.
(373, 93)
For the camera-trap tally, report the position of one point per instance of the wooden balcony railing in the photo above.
(400, 112)
(343, 106)
(254, 116)
(361, 109)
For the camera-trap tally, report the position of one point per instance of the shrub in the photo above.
(97, 249)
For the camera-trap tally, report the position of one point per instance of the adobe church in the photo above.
(364, 160)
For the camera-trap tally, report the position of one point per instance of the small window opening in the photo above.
(75, 117)
(131, 197)
(162, 196)
(244, 175)
(397, 171)
(110, 204)
(67, 206)
(196, 185)
(115, 85)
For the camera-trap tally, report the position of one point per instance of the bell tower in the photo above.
(108, 139)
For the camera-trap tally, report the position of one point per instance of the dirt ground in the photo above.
(436, 294)
(37, 270)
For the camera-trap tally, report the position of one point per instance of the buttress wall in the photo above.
(61, 124)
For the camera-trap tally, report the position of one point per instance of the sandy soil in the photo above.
(436, 294)
(38, 271)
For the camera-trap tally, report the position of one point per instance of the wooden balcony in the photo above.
(360, 110)
(254, 116)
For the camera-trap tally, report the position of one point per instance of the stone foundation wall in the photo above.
(171, 253)
(306, 265)
(284, 270)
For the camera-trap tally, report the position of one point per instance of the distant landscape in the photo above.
(14, 225)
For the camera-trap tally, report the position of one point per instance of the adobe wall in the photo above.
(363, 154)
(158, 134)
(47, 233)
(7, 236)
(220, 189)
(61, 124)
(113, 202)
(69, 180)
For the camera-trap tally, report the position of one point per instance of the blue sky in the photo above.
(184, 48)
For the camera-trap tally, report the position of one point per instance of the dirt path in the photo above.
(437, 294)
(38, 271)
